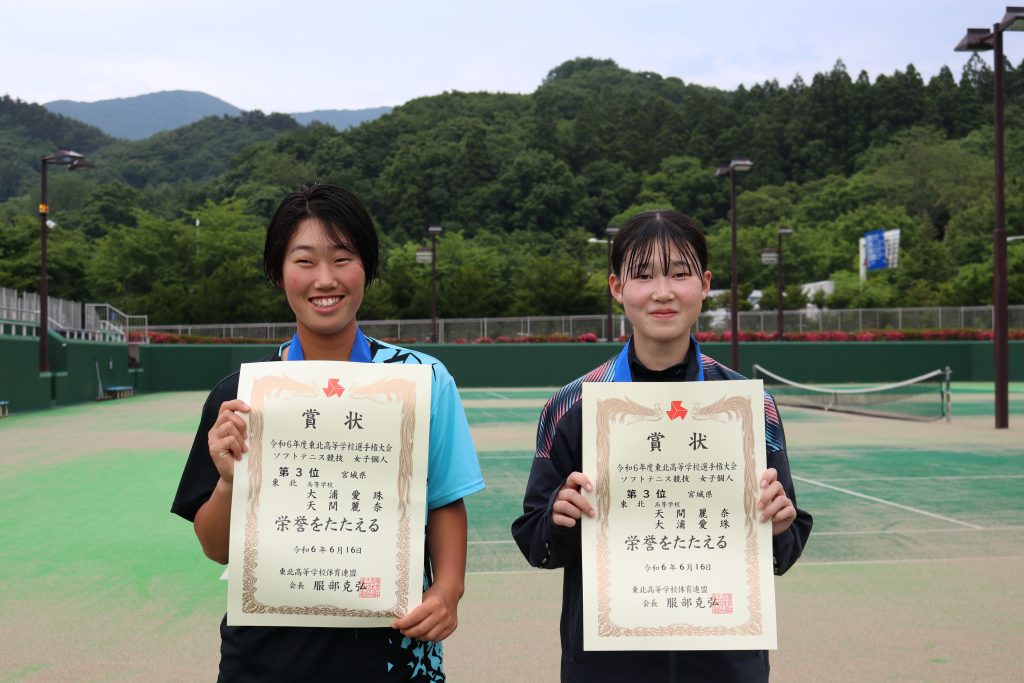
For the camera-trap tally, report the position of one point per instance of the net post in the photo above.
(948, 394)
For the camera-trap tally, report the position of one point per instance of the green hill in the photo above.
(27, 132)
(136, 118)
(520, 182)
(142, 116)
(340, 118)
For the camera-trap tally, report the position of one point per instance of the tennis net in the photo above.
(923, 398)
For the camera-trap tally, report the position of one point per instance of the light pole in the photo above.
(434, 231)
(979, 40)
(74, 161)
(735, 166)
(610, 231)
(783, 231)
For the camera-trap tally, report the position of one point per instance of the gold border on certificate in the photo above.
(369, 426)
(651, 448)
(729, 408)
(390, 391)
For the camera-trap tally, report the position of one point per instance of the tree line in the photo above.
(172, 226)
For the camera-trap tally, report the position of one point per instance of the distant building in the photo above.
(810, 289)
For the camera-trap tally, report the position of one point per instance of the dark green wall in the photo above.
(173, 367)
(186, 366)
(72, 377)
(510, 365)
(81, 359)
(20, 381)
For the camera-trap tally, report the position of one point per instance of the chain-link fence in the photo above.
(858, 319)
(19, 315)
(453, 330)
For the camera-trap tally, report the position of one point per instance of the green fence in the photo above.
(77, 370)
(185, 367)
(20, 381)
(81, 368)
(178, 367)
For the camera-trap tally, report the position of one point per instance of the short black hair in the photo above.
(662, 229)
(340, 214)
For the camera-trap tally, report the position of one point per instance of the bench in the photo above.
(119, 392)
(4, 406)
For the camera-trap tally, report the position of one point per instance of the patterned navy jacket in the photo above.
(559, 453)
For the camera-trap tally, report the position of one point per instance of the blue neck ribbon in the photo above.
(621, 371)
(360, 349)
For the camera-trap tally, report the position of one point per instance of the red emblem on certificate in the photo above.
(333, 388)
(677, 411)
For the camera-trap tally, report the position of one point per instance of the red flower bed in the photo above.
(169, 338)
(591, 337)
(862, 336)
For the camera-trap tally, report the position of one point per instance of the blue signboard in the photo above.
(874, 248)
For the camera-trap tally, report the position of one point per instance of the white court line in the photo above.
(922, 560)
(806, 563)
(887, 502)
(515, 482)
(938, 478)
(946, 530)
(876, 532)
(496, 395)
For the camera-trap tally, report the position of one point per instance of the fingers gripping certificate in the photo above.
(676, 558)
(328, 505)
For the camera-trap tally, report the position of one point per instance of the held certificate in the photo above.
(328, 505)
(676, 558)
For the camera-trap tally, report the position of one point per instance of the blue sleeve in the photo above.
(453, 471)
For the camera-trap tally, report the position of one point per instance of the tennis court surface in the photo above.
(912, 572)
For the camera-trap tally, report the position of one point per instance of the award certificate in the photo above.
(328, 505)
(676, 558)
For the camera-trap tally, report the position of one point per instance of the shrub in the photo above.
(591, 337)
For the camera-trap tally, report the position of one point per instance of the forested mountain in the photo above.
(27, 132)
(198, 151)
(340, 118)
(136, 118)
(142, 116)
(519, 182)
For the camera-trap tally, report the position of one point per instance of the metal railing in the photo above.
(454, 330)
(16, 328)
(19, 316)
(104, 318)
(860, 319)
(24, 306)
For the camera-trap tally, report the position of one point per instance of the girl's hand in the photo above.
(570, 505)
(774, 504)
(433, 619)
(226, 438)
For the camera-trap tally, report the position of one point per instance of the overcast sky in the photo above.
(299, 56)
